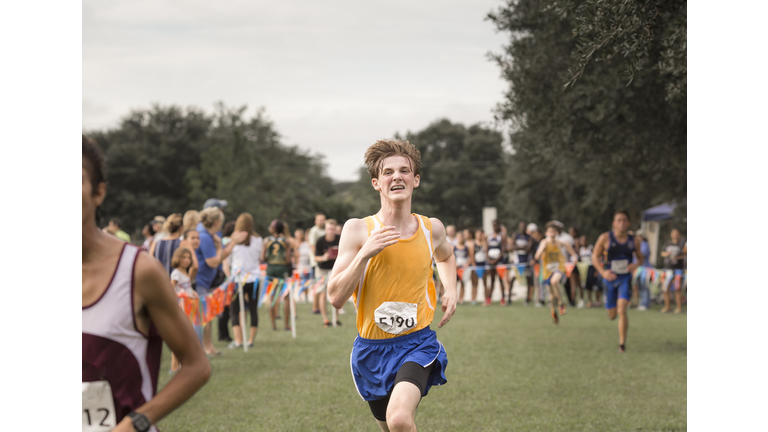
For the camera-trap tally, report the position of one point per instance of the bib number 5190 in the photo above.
(396, 317)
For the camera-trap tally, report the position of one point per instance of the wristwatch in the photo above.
(140, 421)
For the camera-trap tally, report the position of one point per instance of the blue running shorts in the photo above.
(548, 281)
(619, 288)
(375, 362)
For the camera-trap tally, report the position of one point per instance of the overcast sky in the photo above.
(334, 76)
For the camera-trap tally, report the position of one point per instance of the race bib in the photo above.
(553, 266)
(494, 253)
(396, 317)
(619, 266)
(98, 407)
(480, 256)
(521, 243)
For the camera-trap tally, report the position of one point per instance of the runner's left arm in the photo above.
(446, 268)
(154, 292)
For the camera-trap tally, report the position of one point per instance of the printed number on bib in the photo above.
(494, 253)
(396, 317)
(620, 266)
(98, 407)
(480, 256)
(553, 266)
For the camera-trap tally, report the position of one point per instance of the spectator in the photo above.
(192, 242)
(210, 255)
(642, 283)
(301, 259)
(479, 259)
(148, 232)
(180, 279)
(163, 250)
(160, 231)
(326, 251)
(533, 230)
(114, 229)
(673, 255)
(317, 231)
(245, 266)
(190, 220)
(277, 253)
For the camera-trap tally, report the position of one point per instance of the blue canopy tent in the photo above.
(659, 213)
(652, 228)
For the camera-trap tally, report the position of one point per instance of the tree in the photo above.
(581, 152)
(167, 160)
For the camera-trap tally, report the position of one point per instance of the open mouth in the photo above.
(397, 187)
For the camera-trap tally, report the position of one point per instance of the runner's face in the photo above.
(521, 227)
(621, 223)
(320, 221)
(551, 233)
(675, 235)
(396, 180)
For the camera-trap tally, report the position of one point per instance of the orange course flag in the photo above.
(501, 270)
(569, 269)
(460, 272)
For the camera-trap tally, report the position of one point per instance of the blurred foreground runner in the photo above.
(129, 309)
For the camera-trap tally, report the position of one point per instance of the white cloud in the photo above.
(333, 75)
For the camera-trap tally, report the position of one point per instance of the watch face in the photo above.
(140, 422)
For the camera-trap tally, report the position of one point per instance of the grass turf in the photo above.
(509, 368)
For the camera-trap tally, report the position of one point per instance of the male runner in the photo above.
(385, 260)
(522, 244)
(553, 266)
(618, 270)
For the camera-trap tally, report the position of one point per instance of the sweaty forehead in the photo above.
(395, 162)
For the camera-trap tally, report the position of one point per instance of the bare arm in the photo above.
(355, 249)
(155, 297)
(446, 268)
(597, 253)
(571, 251)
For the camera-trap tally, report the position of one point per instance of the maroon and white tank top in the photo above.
(117, 357)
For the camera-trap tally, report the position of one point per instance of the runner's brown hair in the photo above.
(385, 148)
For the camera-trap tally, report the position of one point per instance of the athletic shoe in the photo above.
(554, 317)
(249, 345)
(474, 303)
(342, 311)
(487, 302)
(316, 312)
(539, 304)
(234, 345)
(562, 310)
(621, 349)
(287, 329)
(678, 310)
(589, 305)
(338, 323)
(326, 324)
(665, 310)
(527, 303)
(503, 302)
(581, 304)
(642, 308)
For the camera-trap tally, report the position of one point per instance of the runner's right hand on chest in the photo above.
(378, 240)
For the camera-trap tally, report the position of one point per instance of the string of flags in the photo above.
(655, 278)
(202, 310)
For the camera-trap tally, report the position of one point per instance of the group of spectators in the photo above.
(476, 250)
(200, 251)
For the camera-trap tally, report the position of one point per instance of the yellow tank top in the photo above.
(552, 260)
(396, 295)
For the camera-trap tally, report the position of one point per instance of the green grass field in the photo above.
(510, 369)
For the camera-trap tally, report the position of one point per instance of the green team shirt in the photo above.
(276, 251)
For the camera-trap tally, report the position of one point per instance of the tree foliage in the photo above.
(583, 151)
(167, 160)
